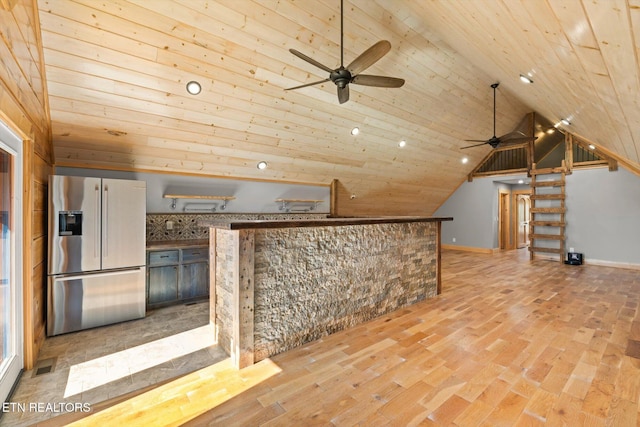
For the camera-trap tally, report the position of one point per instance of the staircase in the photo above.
(547, 213)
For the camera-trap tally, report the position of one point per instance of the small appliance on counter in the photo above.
(97, 252)
(574, 258)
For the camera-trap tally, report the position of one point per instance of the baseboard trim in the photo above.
(470, 249)
(614, 264)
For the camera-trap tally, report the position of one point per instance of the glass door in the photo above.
(11, 362)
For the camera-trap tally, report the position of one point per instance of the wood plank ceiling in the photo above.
(116, 73)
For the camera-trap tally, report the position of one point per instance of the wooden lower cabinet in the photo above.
(162, 284)
(175, 276)
(195, 280)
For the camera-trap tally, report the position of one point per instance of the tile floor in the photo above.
(91, 366)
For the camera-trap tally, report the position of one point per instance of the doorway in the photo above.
(523, 204)
(11, 329)
(504, 219)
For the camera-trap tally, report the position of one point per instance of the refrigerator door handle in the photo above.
(105, 243)
(96, 240)
(103, 274)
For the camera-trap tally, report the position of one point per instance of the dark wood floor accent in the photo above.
(508, 342)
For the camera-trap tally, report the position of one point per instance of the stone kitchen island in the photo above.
(276, 285)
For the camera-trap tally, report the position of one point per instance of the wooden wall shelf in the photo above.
(175, 198)
(286, 203)
(188, 196)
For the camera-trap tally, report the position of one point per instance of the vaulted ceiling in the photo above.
(116, 74)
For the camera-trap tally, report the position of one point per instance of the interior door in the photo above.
(504, 213)
(523, 206)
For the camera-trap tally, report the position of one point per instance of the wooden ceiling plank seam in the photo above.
(576, 103)
(147, 107)
(314, 78)
(446, 20)
(16, 79)
(585, 77)
(25, 48)
(92, 150)
(340, 151)
(446, 98)
(613, 31)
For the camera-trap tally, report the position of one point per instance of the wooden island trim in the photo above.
(326, 222)
(241, 285)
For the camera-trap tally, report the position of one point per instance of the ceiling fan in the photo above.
(511, 138)
(342, 75)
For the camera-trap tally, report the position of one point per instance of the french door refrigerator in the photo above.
(96, 273)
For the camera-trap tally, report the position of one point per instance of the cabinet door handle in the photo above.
(164, 256)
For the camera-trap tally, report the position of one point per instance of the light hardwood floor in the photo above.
(509, 342)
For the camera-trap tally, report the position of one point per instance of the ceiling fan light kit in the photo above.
(342, 75)
(511, 138)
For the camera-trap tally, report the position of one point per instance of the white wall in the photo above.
(250, 196)
(474, 208)
(603, 214)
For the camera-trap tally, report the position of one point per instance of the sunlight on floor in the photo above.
(181, 400)
(103, 370)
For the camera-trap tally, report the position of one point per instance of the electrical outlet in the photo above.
(169, 225)
(453, 240)
(571, 250)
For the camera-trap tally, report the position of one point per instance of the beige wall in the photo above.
(23, 107)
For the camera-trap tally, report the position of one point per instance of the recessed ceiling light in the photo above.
(355, 131)
(551, 130)
(525, 79)
(565, 122)
(402, 143)
(521, 181)
(262, 165)
(592, 147)
(194, 87)
(465, 160)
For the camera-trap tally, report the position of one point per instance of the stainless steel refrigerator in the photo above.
(96, 252)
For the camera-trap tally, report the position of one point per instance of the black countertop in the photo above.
(324, 222)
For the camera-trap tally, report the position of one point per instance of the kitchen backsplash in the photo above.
(186, 226)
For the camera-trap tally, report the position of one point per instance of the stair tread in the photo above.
(547, 237)
(549, 210)
(548, 250)
(547, 171)
(555, 196)
(548, 184)
(547, 223)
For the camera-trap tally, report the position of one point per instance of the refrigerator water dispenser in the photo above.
(70, 223)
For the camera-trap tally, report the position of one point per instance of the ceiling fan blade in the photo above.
(471, 146)
(378, 81)
(369, 57)
(343, 94)
(310, 60)
(486, 141)
(308, 84)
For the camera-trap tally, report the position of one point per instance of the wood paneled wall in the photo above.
(24, 108)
